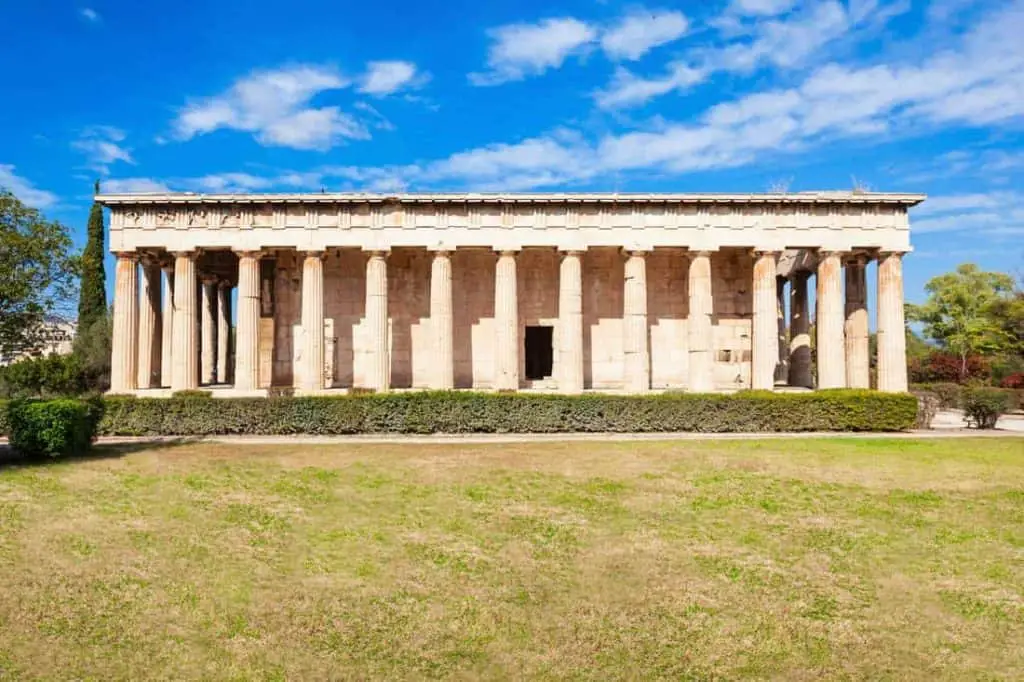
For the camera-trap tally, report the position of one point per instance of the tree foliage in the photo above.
(92, 301)
(962, 312)
(37, 274)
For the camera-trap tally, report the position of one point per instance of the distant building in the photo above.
(57, 337)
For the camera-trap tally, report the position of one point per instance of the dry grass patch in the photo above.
(801, 559)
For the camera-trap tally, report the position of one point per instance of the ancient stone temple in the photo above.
(551, 292)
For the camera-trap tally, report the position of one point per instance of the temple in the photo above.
(322, 293)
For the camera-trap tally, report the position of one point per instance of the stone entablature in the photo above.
(839, 221)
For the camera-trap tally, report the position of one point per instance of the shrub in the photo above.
(51, 428)
(984, 406)
(469, 412)
(48, 376)
(939, 366)
(927, 407)
(1013, 381)
(947, 393)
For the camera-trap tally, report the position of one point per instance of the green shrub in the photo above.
(469, 412)
(984, 406)
(51, 428)
(48, 376)
(5, 426)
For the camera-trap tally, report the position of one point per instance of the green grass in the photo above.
(784, 559)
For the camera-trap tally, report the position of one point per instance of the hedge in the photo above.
(952, 395)
(51, 428)
(469, 412)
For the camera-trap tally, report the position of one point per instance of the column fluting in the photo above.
(379, 367)
(223, 331)
(442, 320)
(782, 367)
(637, 355)
(209, 331)
(799, 332)
(892, 335)
(185, 374)
(150, 325)
(247, 334)
(858, 361)
(312, 373)
(829, 323)
(765, 326)
(570, 314)
(124, 342)
(167, 327)
(699, 327)
(506, 323)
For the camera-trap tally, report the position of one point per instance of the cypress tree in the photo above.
(92, 302)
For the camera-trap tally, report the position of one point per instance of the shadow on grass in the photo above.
(11, 460)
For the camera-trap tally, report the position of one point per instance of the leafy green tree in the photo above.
(37, 275)
(962, 312)
(92, 301)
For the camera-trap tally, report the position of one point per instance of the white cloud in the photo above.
(275, 106)
(764, 8)
(521, 50)
(387, 77)
(639, 32)
(102, 147)
(90, 15)
(132, 186)
(25, 190)
(627, 89)
(994, 214)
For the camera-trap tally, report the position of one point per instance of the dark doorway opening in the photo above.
(539, 352)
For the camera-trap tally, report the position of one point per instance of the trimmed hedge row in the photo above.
(952, 395)
(467, 412)
(51, 428)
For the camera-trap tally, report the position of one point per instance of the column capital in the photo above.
(507, 252)
(313, 253)
(248, 253)
(378, 253)
(889, 253)
(126, 255)
(191, 254)
(766, 251)
(573, 251)
(856, 258)
(441, 249)
(825, 253)
(636, 253)
(700, 253)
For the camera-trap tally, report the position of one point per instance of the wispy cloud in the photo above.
(24, 189)
(521, 50)
(102, 146)
(641, 31)
(627, 89)
(388, 77)
(276, 107)
(90, 15)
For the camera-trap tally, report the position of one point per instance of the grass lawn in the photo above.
(796, 560)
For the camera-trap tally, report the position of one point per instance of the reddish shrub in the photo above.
(946, 367)
(1013, 381)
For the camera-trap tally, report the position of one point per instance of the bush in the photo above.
(1015, 381)
(192, 394)
(48, 376)
(468, 412)
(51, 428)
(939, 366)
(927, 407)
(984, 406)
(947, 393)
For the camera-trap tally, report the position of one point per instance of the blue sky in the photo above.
(737, 95)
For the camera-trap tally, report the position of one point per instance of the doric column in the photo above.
(782, 367)
(247, 344)
(892, 339)
(570, 322)
(124, 345)
(858, 363)
(506, 323)
(637, 356)
(223, 330)
(829, 324)
(209, 331)
(313, 321)
(185, 375)
(149, 324)
(442, 320)
(167, 327)
(379, 369)
(699, 328)
(765, 324)
(799, 332)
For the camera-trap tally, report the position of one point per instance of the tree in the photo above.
(961, 313)
(37, 274)
(92, 301)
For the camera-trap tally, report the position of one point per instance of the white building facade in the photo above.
(551, 292)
